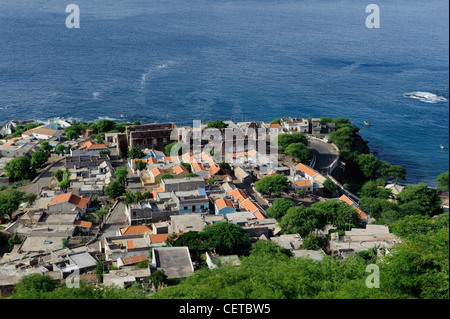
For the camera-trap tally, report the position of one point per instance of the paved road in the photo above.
(325, 153)
(44, 180)
(115, 221)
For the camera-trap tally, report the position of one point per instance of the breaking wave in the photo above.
(426, 97)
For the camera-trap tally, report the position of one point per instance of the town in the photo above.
(125, 204)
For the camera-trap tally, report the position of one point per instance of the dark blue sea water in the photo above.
(179, 60)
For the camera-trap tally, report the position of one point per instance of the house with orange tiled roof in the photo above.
(42, 133)
(88, 148)
(132, 230)
(347, 200)
(304, 185)
(69, 202)
(304, 172)
(223, 207)
(180, 171)
(131, 260)
(238, 195)
(249, 205)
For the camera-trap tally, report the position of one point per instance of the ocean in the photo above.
(179, 60)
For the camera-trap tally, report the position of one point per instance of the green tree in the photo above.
(272, 184)
(140, 165)
(38, 158)
(337, 213)
(216, 124)
(226, 238)
(426, 199)
(279, 208)
(14, 240)
(158, 278)
(301, 220)
(285, 140)
(114, 190)
(298, 150)
(372, 189)
(61, 149)
(46, 147)
(19, 169)
(342, 137)
(276, 121)
(121, 174)
(33, 286)
(369, 165)
(10, 201)
(72, 135)
(135, 152)
(313, 242)
(330, 186)
(64, 184)
(104, 126)
(267, 248)
(59, 175)
(442, 181)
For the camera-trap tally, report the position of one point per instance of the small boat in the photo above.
(441, 146)
(367, 123)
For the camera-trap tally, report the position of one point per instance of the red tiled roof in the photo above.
(249, 205)
(222, 203)
(92, 146)
(306, 169)
(179, 169)
(71, 198)
(214, 169)
(344, 198)
(138, 229)
(236, 193)
(134, 259)
(130, 244)
(303, 183)
(159, 190)
(259, 215)
(157, 171)
(83, 223)
(160, 238)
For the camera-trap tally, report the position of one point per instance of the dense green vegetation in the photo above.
(416, 268)
(272, 184)
(216, 124)
(98, 128)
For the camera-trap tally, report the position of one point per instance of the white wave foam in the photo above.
(95, 95)
(162, 66)
(106, 118)
(426, 97)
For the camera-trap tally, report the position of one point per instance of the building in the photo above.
(42, 133)
(182, 184)
(89, 148)
(175, 261)
(223, 207)
(152, 136)
(187, 202)
(242, 176)
(69, 202)
(192, 222)
(297, 125)
(360, 239)
(147, 212)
